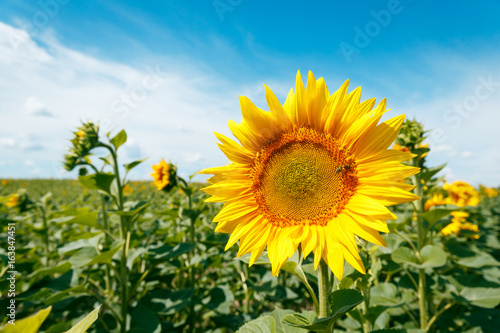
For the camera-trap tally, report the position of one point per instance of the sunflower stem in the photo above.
(420, 244)
(323, 288)
(106, 242)
(125, 236)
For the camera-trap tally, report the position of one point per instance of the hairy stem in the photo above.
(323, 287)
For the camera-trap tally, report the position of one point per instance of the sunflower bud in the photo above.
(85, 139)
(410, 139)
(411, 134)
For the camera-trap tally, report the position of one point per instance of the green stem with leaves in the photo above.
(125, 236)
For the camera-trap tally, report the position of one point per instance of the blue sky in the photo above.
(170, 73)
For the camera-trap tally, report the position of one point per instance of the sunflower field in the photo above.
(325, 219)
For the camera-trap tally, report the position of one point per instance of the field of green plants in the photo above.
(118, 255)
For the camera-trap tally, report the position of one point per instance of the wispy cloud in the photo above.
(170, 106)
(36, 108)
(168, 111)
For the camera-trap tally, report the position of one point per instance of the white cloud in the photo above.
(35, 107)
(170, 111)
(193, 157)
(467, 154)
(170, 107)
(36, 171)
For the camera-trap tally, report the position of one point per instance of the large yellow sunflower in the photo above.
(313, 172)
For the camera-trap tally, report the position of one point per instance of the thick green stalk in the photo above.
(45, 230)
(422, 304)
(324, 288)
(106, 243)
(125, 236)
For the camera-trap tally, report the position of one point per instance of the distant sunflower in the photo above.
(313, 172)
(164, 175)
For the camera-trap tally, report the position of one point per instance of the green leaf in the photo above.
(71, 246)
(435, 215)
(168, 302)
(405, 255)
(427, 174)
(119, 139)
(59, 296)
(108, 159)
(132, 165)
(262, 260)
(343, 301)
(105, 257)
(59, 269)
(71, 212)
(168, 252)
(132, 208)
(30, 324)
(384, 294)
(88, 219)
(264, 324)
(349, 279)
(83, 256)
(144, 320)
(390, 330)
(305, 320)
(278, 315)
(134, 254)
(84, 324)
(220, 299)
(482, 297)
(432, 256)
(98, 181)
(482, 259)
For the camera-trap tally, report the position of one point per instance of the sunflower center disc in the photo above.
(303, 177)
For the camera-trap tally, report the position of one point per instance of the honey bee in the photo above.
(343, 167)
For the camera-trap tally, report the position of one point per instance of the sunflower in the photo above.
(436, 200)
(461, 194)
(164, 175)
(13, 200)
(314, 172)
(459, 223)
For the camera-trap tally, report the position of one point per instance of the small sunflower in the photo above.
(459, 223)
(488, 191)
(313, 172)
(13, 200)
(164, 175)
(461, 194)
(437, 199)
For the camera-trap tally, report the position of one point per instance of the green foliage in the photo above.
(32, 323)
